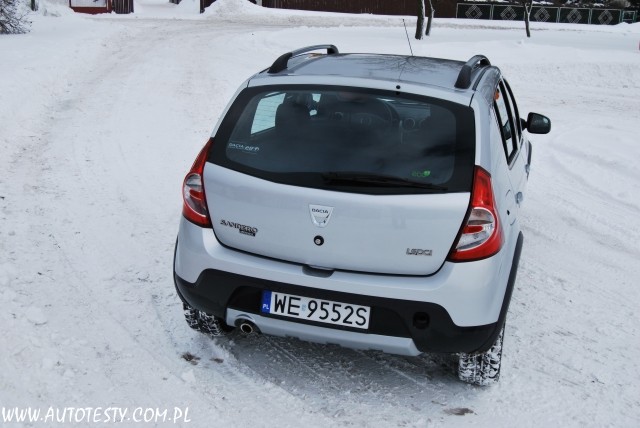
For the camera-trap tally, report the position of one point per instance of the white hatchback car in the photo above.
(365, 200)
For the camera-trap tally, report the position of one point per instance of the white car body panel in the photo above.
(366, 233)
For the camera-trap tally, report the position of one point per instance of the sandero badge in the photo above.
(243, 229)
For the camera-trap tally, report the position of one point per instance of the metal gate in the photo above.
(123, 6)
(570, 15)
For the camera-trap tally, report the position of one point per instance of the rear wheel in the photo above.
(482, 368)
(205, 323)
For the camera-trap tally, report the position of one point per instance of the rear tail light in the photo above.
(194, 208)
(481, 235)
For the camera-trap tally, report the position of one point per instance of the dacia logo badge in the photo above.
(320, 214)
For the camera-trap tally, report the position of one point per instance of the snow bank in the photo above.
(245, 12)
(54, 8)
(234, 8)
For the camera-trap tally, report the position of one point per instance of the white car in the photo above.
(365, 200)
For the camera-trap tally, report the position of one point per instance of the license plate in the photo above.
(306, 308)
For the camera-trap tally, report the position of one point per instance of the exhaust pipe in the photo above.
(247, 327)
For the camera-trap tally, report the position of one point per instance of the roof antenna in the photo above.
(407, 33)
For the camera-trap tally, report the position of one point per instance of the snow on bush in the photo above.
(13, 17)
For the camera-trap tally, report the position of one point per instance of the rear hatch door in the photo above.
(394, 234)
(342, 177)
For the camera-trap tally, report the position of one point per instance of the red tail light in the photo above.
(481, 236)
(194, 208)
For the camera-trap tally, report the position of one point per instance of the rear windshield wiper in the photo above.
(350, 178)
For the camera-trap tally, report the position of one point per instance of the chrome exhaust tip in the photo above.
(247, 327)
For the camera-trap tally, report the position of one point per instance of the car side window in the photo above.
(514, 110)
(505, 122)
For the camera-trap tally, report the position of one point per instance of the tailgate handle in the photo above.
(317, 271)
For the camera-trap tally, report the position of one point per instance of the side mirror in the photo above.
(538, 124)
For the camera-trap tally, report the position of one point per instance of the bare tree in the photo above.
(432, 12)
(420, 23)
(13, 17)
(528, 5)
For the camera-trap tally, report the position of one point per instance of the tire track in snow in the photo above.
(346, 382)
(122, 319)
(244, 391)
(230, 384)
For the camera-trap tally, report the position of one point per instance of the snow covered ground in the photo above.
(101, 117)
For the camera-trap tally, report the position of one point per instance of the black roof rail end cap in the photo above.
(464, 77)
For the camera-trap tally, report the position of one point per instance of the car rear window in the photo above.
(344, 139)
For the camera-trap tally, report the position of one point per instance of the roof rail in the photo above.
(282, 62)
(464, 78)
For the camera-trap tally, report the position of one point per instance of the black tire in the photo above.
(205, 323)
(483, 368)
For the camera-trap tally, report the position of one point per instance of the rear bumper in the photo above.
(464, 303)
(392, 325)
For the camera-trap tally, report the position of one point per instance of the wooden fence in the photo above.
(379, 7)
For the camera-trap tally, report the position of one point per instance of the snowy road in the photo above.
(100, 120)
